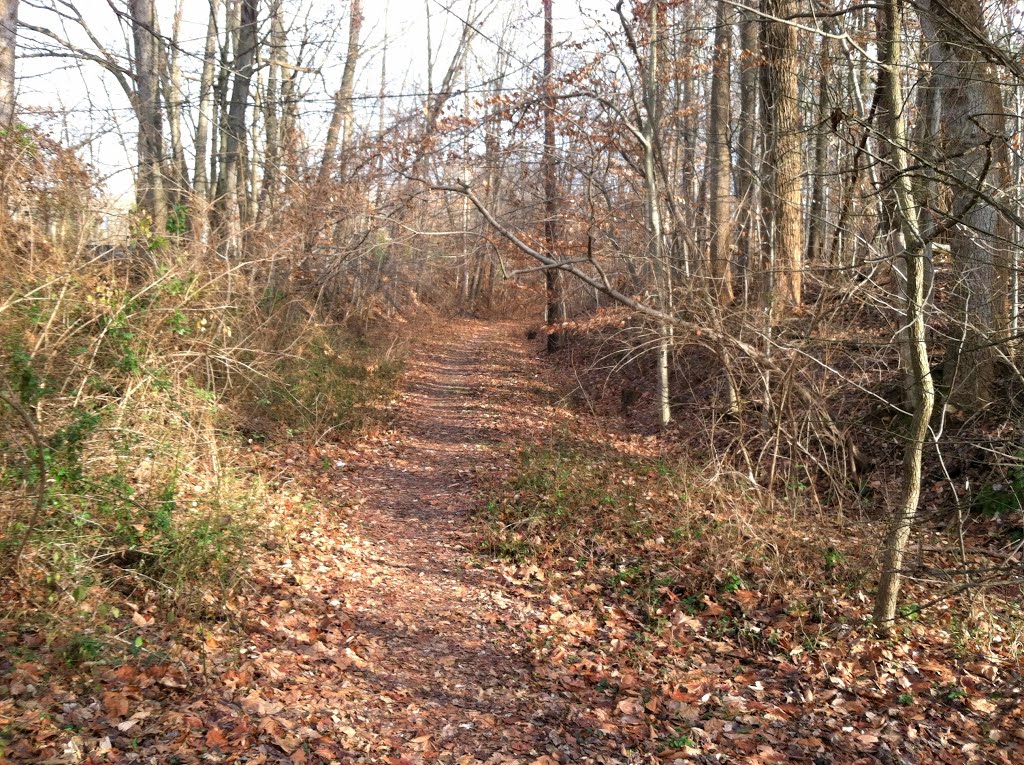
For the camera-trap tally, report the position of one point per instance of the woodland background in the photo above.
(782, 239)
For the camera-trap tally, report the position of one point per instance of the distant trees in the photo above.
(743, 179)
(834, 175)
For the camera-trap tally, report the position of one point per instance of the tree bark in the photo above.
(151, 190)
(271, 116)
(200, 182)
(976, 159)
(819, 192)
(783, 167)
(8, 40)
(553, 314)
(746, 159)
(915, 343)
(719, 159)
(235, 129)
(173, 89)
(341, 117)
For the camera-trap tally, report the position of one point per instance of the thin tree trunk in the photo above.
(913, 254)
(746, 159)
(720, 159)
(271, 117)
(206, 93)
(8, 40)
(816, 225)
(173, 89)
(151, 189)
(235, 129)
(652, 206)
(341, 117)
(552, 279)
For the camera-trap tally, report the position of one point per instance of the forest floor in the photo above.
(386, 634)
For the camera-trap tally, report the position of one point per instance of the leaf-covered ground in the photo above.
(391, 631)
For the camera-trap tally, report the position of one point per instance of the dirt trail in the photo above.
(377, 634)
(447, 655)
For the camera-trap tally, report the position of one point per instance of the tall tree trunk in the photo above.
(649, 126)
(977, 163)
(552, 279)
(746, 159)
(233, 150)
(151, 189)
(8, 39)
(200, 182)
(341, 117)
(913, 255)
(816, 225)
(783, 166)
(173, 88)
(271, 116)
(720, 158)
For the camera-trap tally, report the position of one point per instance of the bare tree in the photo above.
(206, 95)
(912, 252)
(746, 160)
(234, 147)
(976, 162)
(8, 38)
(341, 116)
(173, 87)
(720, 158)
(783, 165)
(553, 313)
(151, 186)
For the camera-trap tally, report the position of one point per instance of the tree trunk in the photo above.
(783, 167)
(200, 182)
(816, 225)
(271, 116)
(8, 40)
(553, 314)
(151, 191)
(915, 347)
(235, 129)
(746, 159)
(341, 117)
(720, 159)
(173, 88)
(977, 164)
(652, 206)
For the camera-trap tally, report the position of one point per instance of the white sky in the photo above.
(87, 100)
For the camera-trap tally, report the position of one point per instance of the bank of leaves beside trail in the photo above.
(152, 688)
(697, 625)
(186, 433)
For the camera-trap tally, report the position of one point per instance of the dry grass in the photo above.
(146, 374)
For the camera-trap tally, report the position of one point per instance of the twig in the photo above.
(40, 459)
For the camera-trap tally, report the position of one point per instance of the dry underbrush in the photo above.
(723, 501)
(658, 531)
(709, 610)
(139, 383)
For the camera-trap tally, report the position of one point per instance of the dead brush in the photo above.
(128, 384)
(657, 533)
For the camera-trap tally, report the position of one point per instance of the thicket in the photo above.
(137, 382)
